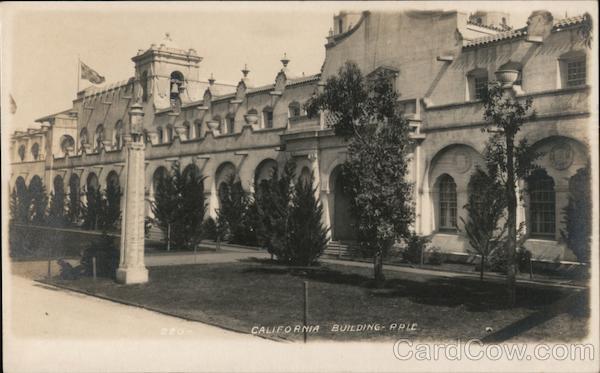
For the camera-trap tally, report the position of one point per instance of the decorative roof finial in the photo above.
(211, 80)
(285, 60)
(245, 71)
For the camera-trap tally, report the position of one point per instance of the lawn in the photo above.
(254, 293)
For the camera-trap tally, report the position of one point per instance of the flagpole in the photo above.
(78, 73)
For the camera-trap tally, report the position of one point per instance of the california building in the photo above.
(441, 62)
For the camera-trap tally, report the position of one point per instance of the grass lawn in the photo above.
(243, 295)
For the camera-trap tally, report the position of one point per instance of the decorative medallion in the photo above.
(462, 161)
(561, 156)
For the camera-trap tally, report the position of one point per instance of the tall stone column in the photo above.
(132, 269)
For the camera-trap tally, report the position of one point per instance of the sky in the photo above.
(42, 43)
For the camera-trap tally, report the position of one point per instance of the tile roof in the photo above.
(497, 37)
(571, 21)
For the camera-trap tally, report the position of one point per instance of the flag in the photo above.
(13, 104)
(90, 74)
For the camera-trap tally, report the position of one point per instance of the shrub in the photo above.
(235, 217)
(523, 259)
(435, 256)
(209, 228)
(273, 199)
(485, 208)
(497, 260)
(307, 236)
(415, 246)
(577, 216)
(179, 207)
(107, 257)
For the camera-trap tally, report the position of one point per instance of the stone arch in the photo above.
(305, 175)
(561, 158)
(67, 144)
(160, 173)
(113, 179)
(458, 161)
(35, 182)
(92, 182)
(20, 185)
(58, 185)
(326, 176)
(191, 170)
(265, 170)
(225, 172)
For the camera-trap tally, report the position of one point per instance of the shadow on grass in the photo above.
(576, 305)
(473, 294)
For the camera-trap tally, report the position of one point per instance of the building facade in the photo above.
(441, 62)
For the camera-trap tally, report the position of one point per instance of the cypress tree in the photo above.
(307, 236)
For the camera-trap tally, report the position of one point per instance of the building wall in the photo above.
(450, 141)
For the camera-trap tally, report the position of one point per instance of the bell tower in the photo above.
(167, 76)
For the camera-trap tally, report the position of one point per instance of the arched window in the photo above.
(268, 117)
(83, 136)
(35, 151)
(294, 109)
(188, 130)
(230, 123)
(144, 82)
(169, 134)
(447, 203)
(67, 144)
(305, 176)
(22, 151)
(159, 133)
(118, 135)
(198, 126)
(177, 86)
(542, 205)
(99, 137)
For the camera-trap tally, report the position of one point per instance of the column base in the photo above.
(128, 276)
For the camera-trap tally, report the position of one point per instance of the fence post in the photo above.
(49, 262)
(169, 237)
(530, 269)
(94, 267)
(305, 310)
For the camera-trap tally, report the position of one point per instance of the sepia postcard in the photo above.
(300, 186)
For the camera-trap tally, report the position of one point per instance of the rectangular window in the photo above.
(480, 87)
(576, 73)
(268, 119)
